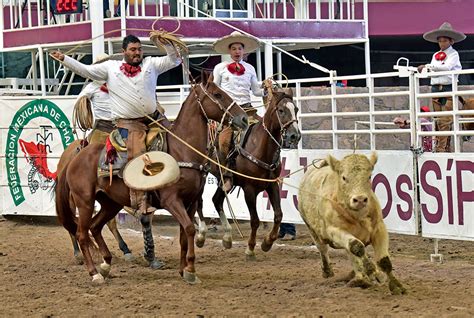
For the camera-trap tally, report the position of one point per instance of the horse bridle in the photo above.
(283, 127)
(225, 110)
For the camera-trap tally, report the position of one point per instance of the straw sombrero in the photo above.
(222, 45)
(445, 30)
(150, 171)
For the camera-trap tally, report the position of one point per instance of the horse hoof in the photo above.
(156, 264)
(129, 257)
(191, 278)
(104, 269)
(98, 280)
(227, 243)
(266, 246)
(79, 259)
(200, 240)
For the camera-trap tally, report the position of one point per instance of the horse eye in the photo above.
(281, 111)
(343, 178)
(218, 95)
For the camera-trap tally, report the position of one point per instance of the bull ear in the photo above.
(333, 163)
(373, 159)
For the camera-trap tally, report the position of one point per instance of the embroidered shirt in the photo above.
(237, 86)
(99, 99)
(450, 63)
(130, 97)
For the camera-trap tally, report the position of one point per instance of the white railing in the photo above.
(25, 14)
(370, 120)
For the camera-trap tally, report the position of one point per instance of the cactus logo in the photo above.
(35, 151)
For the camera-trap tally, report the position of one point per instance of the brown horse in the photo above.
(70, 153)
(79, 186)
(260, 157)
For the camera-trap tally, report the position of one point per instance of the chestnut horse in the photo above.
(259, 157)
(80, 186)
(70, 153)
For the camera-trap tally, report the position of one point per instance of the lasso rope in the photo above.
(82, 115)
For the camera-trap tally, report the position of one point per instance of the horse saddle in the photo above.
(155, 141)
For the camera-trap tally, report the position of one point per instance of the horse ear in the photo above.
(288, 91)
(204, 76)
(210, 78)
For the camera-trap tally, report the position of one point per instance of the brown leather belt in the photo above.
(104, 125)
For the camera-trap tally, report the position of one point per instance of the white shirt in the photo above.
(130, 97)
(450, 63)
(238, 87)
(99, 99)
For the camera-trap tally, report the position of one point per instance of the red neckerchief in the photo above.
(236, 68)
(130, 70)
(440, 56)
(104, 88)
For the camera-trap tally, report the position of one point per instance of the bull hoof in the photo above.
(98, 280)
(328, 273)
(396, 288)
(200, 240)
(190, 278)
(359, 282)
(266, 246)
(129, 257)
(104, 269)
(227, 242)
(156, 264)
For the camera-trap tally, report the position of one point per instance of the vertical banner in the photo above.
(34, 134)
(447, 195)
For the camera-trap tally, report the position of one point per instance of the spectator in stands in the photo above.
(446, 59)
(108, 13)
(426, 125)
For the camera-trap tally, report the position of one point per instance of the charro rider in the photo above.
(446, 59)
(237, 78)
(132, 89)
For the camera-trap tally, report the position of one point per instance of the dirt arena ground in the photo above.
(39, 278)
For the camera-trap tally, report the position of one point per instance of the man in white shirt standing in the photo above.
(446, 59)
(237, 78)
(132, 89)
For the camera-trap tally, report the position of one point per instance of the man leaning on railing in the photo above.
(446, 59)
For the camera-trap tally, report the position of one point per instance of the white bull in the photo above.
(340, 209)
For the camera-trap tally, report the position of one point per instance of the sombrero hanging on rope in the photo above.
(150, 171)
(445, 30)
(222, 45)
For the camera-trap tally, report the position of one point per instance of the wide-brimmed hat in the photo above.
(222, 45)
(445, 30)
(150, 171)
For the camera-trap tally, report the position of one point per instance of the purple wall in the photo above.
(412, 18)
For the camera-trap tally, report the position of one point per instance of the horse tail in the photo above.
(66, 215)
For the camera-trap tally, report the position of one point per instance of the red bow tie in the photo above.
(130, 70)
(104, 88)
(440, 56)
(236, 68)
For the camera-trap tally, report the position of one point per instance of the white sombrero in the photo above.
(445, 30)
(222, 45)
(150, 171)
